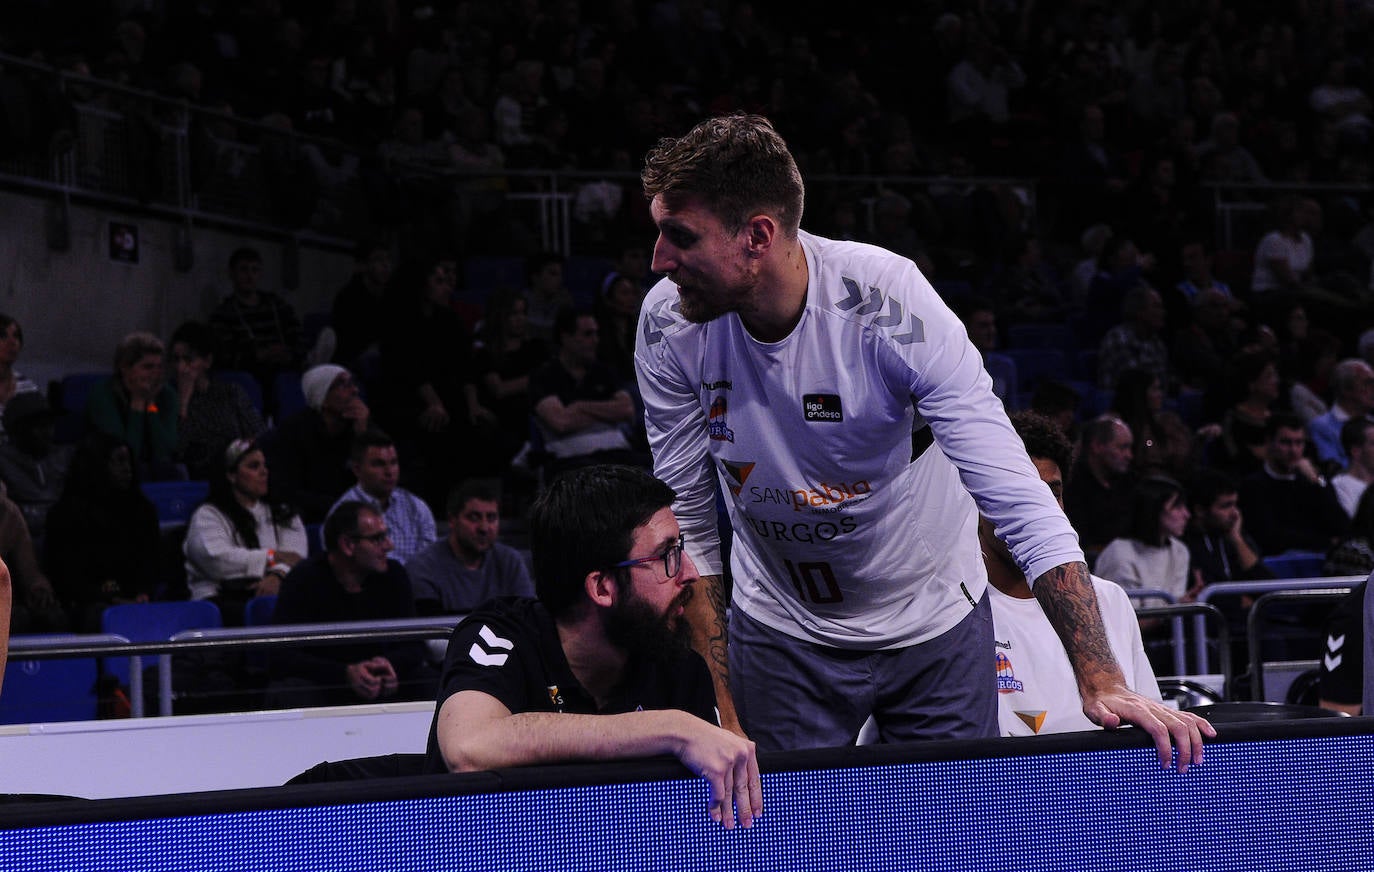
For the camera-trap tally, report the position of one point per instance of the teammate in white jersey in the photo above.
(1036, 692)
(837, 402)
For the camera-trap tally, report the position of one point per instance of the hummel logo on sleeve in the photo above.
(482, 652)
(1333, 657)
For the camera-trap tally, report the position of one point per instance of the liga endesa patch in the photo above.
(822, 407)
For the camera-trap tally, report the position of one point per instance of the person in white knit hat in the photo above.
(308, 452)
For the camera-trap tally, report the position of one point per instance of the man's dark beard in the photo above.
(632, 626)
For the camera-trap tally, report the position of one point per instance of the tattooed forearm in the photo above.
(706, 613)
(1066, 594)
(713, 589)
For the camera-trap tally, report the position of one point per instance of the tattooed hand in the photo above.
(1066, 594)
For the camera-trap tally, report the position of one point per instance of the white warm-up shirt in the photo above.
(840, 536)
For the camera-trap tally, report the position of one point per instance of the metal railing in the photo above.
(129, 148)
(1318, 595)
(1234, 588)
(1242, 210)
(227, 638)
(1175, 613)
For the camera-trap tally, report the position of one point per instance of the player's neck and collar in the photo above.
(780, 297)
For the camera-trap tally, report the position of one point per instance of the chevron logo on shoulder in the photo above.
(871, 304)
(655, 320)
(486, 651)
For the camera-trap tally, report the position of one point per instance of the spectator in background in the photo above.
(979, 316)
(209, 413)
(1202, 348)
(33, 469)
(1059, 403)
(310, 449)
(34, 606)
(1196, 263)
(617, 318)
(257, 331)
(1283, 257)
(351, 581)
(546, 295)
(1314, 359)
(427, 366)
(1220, 548)
(505, 357)
(1137, 342)
(1352, 389)
(1041, 696)
(1163, 443)
(1287, 501)
(1120, 269)
(457, 574)
(1151, 554)
(1254, 387)
(101, 547)
(137, 406)
(12, 383)
(1099, 499)
(377, 470)
(1358, 443)
(358, 306)
(579, 405)
(1223, 158)
(238, 545)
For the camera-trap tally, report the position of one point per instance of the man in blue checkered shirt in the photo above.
(378, 472)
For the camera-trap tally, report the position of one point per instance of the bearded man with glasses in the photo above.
(598, 667)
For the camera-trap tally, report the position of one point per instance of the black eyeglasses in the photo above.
(671, 557)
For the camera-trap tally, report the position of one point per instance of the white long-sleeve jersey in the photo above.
(840, 536)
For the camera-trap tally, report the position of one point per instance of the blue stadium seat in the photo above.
(1003, 372)
(175, 500)
(582, 277)
(244, 380)
(1296, 564)
(257, 612)
(43, 691)
(286, 388)
(154, 622)
(1034, 364)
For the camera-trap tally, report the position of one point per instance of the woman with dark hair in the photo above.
(101, 545)
(11, 382)
(1152, 555)
(238, 545)
(1253, 379)
(210, 413)
(505, 357)
(137, 406)
(1163, 443)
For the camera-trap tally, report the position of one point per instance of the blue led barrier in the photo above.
(1290, 803)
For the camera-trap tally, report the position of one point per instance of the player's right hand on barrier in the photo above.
(730, 766)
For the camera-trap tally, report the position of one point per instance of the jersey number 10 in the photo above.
(815, 582)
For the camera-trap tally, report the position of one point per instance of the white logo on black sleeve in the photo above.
(1334, 646)
(483, 652)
